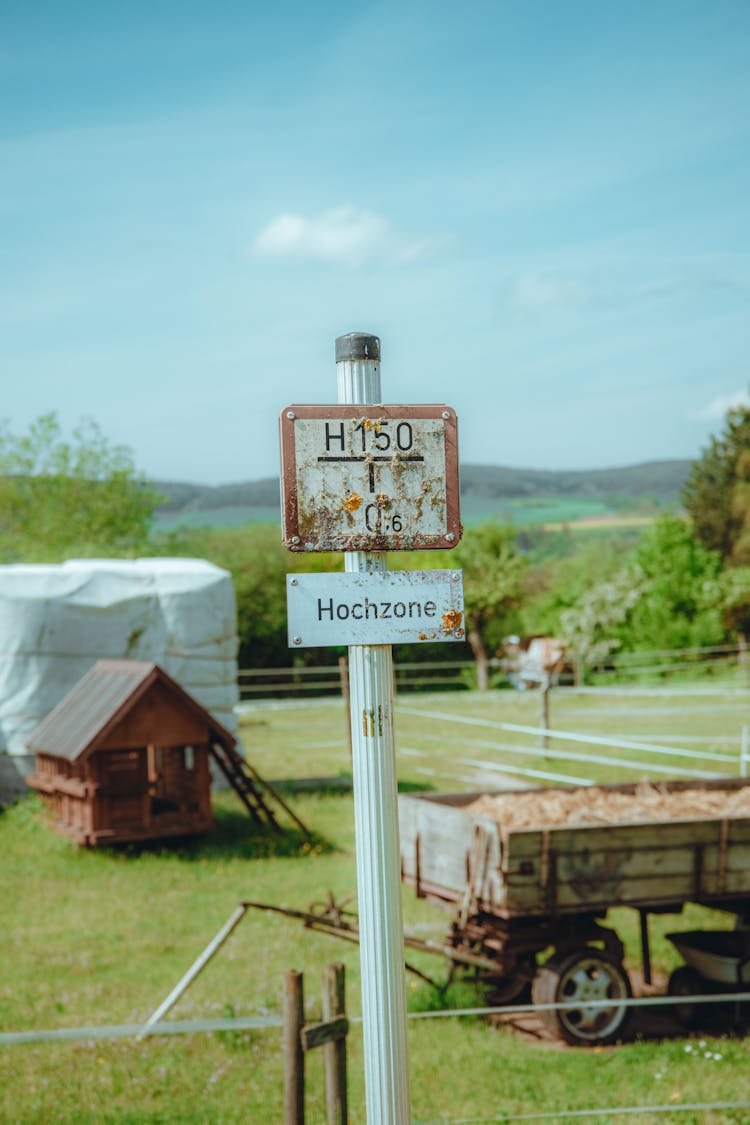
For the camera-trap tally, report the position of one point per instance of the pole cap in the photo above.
(358, 346)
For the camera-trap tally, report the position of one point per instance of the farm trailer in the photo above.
(515, 892)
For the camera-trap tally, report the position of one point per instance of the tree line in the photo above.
(681, 583)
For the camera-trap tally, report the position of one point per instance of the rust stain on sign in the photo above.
(352, 502)
(374, 478)
(452, 620)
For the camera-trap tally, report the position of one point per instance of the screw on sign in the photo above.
(369, 478)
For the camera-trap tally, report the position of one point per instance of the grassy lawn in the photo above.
(102, 937)
(440, 735)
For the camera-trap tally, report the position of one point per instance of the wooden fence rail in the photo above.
(329, 679)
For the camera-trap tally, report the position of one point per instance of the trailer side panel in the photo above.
(447, 853)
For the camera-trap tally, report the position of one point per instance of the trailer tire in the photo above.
(686, 981)
(588, 974)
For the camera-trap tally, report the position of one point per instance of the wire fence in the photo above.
(269, 1022)
(605, 1113)
(732, 765)
(92, 1035)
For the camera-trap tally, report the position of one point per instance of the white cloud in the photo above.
(718, 407)
(341, 236)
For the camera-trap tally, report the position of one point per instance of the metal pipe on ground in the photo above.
(197, 967)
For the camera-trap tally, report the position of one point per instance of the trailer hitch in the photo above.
(332, 917)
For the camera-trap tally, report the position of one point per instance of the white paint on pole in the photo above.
(398, 607)
(376, 813)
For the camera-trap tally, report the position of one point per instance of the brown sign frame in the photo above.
(324, 533)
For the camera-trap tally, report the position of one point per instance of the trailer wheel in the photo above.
(686, 982)
(579, 978)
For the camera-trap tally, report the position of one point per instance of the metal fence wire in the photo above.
(91, 1035)
(605, 1113)
(267, 1022)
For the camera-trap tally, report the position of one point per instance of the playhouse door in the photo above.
(122, 774)
(166, 781)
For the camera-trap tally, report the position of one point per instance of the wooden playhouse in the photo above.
(126, 756)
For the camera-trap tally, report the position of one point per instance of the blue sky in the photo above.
(543, 210)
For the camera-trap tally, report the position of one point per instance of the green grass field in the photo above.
(440, 735)
(530, 511)
(229, 516)
(102, 937)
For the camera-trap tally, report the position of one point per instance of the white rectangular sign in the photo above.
(396, 607)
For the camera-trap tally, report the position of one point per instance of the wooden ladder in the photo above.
(249, 785)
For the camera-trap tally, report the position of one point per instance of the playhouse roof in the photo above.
(100, 700)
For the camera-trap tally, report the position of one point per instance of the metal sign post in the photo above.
(364, 478)
(376, 812)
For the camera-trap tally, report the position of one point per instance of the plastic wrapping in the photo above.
(56, 621)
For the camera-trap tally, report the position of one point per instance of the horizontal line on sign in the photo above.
(371, 457)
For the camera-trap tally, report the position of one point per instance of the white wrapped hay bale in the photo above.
(56, 621)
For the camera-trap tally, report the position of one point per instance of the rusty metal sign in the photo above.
(391, 607)
(369, 478)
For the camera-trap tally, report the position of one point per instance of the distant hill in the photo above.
(661, 480)
(182, 497)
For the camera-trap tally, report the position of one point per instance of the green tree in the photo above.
(717, 492)
(593, 627)
(735, 583)
(494, 573)
(682, 598)
(60, 497)
(559, 583)
(669, 595)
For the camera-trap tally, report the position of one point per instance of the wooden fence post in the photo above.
(299, 1037)
(544, 715)
(742, 659)
(334, 1004)
(294, 1057)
